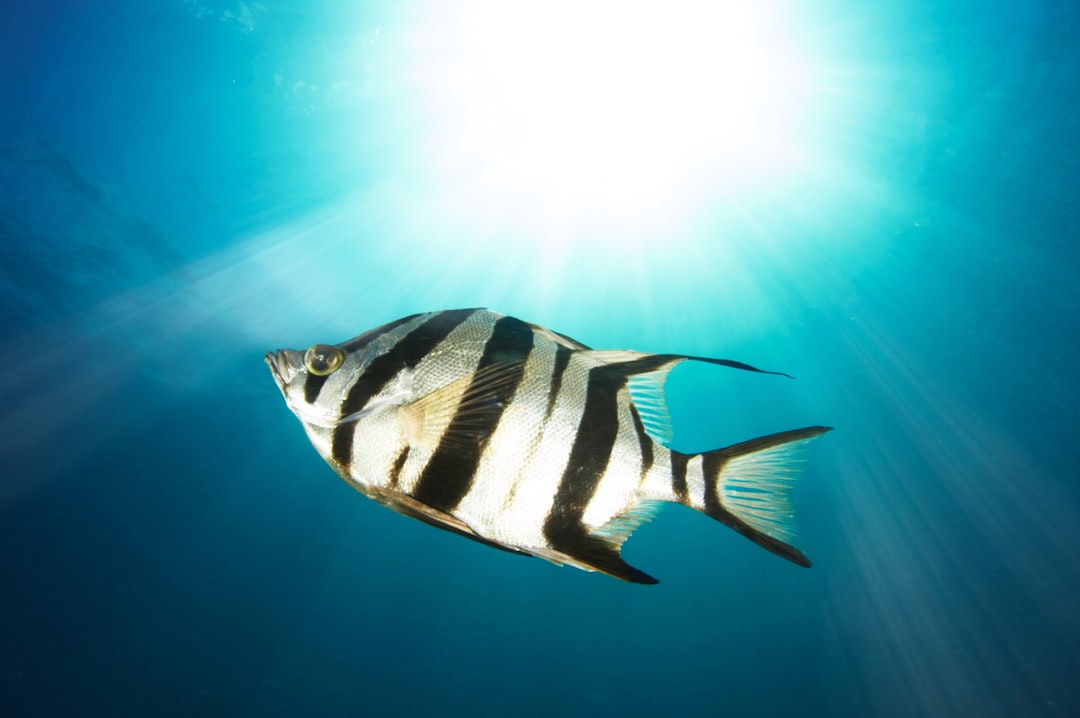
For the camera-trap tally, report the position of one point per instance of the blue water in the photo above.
(185, 185)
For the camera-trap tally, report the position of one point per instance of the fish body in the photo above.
(526, 440)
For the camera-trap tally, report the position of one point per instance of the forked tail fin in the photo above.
(748, 487)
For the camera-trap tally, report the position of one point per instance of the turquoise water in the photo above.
(880, 202)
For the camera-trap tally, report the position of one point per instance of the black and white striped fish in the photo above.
(526, 440)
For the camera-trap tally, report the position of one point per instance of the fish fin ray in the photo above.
(646, 375)
(591, 553)
(617, 530)
(560, 339)
(640, 362)
(736, 365)
(749, 485)
(647, 393)
(600, 549)
(467, 402)
(614, 356)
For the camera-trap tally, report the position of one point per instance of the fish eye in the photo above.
(323, 359)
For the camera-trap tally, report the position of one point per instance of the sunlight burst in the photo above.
(608, 112)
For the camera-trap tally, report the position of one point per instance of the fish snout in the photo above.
(282, 366)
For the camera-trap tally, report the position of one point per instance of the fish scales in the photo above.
(493, 504)
(449, 474)
(438, 369)
(523, 515)
(526, 440)
(618, 484)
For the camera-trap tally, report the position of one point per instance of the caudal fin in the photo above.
(748, 487)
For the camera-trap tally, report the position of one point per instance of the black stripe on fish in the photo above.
(407, 352)
(678, 476)
(313, 384)
(399, 464)
(562, 359)
(449, 473)
(712, 463)
(644, 442)
(590, 452)
(589, 457)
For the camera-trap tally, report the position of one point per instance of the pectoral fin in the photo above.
(458, 411)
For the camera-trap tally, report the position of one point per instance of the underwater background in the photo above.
(878, 199)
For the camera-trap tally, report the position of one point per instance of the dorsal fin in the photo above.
(639, 362)
(645, 377)
(647, 393)
(560, 339)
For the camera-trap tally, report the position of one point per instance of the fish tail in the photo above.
(748, 485)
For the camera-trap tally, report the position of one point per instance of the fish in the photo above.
(526, 440)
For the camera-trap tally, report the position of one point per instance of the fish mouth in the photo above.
(280, 367)
(285, 372)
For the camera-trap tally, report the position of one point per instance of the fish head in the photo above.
(301, 376)
(320, 385)
(325, 387)
(315, 381)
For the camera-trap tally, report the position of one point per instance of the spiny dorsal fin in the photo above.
(560, 339)
(618, 356)
(469, 399)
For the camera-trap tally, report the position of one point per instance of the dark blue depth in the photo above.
(176, 200)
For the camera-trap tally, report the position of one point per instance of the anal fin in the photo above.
(600, 549)
(591, 553)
